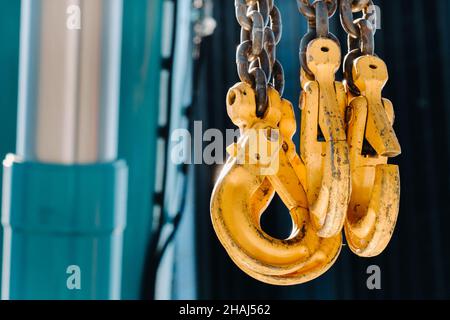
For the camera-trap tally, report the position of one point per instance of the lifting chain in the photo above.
(256, 60)
(335, 183)
(373, 209)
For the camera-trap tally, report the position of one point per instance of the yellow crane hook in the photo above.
(323, 104)
(374, 205)
(248, 183)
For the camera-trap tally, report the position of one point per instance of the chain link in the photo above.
(348, 7)
(361, 32)
(261, 30)
(317, 14)
(308, 10)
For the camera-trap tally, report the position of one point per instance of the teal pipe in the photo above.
(63, 230)
(138, 126)
(9, 69)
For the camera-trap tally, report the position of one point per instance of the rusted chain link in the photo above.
(360, 32)
(256, 60)
(317, 14)
(348, 7)
(307, 9)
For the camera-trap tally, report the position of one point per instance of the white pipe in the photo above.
(69, 80)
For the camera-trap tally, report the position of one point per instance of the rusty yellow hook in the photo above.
(248, 183)
(323, 104)
(374, 204)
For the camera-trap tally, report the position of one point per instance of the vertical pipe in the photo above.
(9, 60)
(69, 80)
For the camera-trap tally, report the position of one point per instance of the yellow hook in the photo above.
(375, 200)
(248, 183)
(323, 104)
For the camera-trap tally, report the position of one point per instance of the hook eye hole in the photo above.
(373, 67)
(276, 220)
(325, 49)
(231, 98)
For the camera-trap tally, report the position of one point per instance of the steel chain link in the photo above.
(261, 30)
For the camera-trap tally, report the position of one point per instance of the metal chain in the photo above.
(318, 14)
(256, 60)
(360, 32)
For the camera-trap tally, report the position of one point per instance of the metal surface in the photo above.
(69, 81)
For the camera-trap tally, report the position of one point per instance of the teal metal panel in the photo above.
(57, 218)
(9, 69)
(141, 63)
